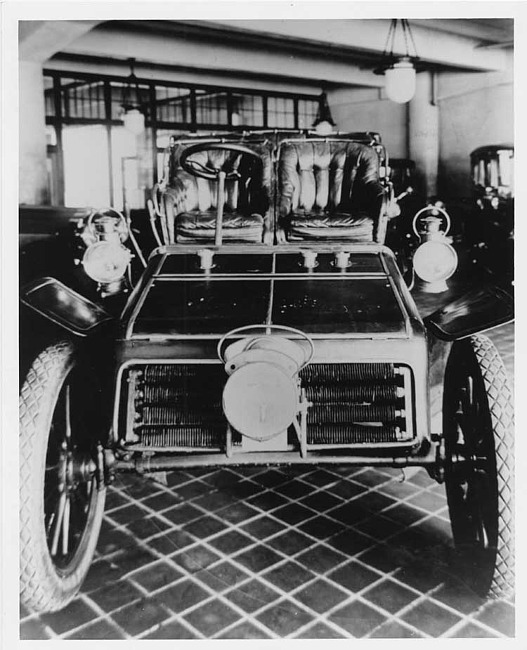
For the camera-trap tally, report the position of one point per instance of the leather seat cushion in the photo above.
(197, 226)
(331, 226)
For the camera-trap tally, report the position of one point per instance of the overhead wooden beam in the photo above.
(38, 40)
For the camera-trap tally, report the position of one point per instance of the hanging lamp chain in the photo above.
(388, 58)
(128, 102)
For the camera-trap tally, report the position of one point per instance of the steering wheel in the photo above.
(197, 168)
(426, 213)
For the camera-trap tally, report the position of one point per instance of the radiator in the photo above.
(178, 406)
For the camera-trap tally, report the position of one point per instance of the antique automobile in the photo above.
(489, 228)
(304, 347)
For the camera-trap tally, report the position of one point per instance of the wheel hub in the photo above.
(74, 467)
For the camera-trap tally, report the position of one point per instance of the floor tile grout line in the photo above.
(317, 541)
(191, 576)
(47, 628)
(103, 615)
(429, 595)
(353, 597)
(357, 597)
(360, 595)
(291, 594)
(451, 632)
(320, 489)
(171, 619)
(213, 595)
(317, 489)
(470, 616)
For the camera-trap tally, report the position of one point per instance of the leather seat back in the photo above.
(328, 176)
(201, 193)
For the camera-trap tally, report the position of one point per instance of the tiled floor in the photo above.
(278, 552)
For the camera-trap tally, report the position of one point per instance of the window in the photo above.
(281, 112)
(84, 118)
(86, 166)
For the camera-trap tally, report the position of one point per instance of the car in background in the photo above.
(489, 229)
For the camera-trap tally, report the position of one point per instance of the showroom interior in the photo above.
(263, 552)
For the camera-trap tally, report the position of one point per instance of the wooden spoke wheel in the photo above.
(478, 427)
(61, 503)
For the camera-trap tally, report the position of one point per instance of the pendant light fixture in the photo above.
(323, 123)
(399, 70)
(133, 116)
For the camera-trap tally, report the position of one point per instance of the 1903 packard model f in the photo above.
(294, 342)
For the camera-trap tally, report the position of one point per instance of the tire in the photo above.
(57, 390)
(478, 425)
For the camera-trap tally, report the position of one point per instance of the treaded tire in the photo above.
(478, 358)
(44, 586)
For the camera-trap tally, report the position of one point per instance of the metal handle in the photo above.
(431, 209)
(101, 211)
(280, 328)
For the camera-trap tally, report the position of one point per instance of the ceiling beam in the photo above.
(39, 40)
(225, 55)
(435, 46)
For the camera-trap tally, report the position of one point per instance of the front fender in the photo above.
(64, 307)
(474, 312)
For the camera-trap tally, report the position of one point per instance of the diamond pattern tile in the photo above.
(212, 617)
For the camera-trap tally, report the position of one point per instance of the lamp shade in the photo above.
(134, 121)
(400, 81)
(323, 128)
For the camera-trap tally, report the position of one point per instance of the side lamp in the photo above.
(435, 260)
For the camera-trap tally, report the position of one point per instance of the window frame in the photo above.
(54, 97)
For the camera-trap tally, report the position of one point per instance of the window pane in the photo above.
(211, 108)
(173, 104)
(505, 165)
(125, 167)
(82, 99)
(307, 112)
(280, 112)
(48, 96)
(249, 108)
(86, 173)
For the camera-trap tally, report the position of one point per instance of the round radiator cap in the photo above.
(260, 400)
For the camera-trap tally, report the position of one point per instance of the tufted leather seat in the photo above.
(190, 202)
(329, 190)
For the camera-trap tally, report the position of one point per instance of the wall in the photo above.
(475, 109)
(33, 185)
(369, 110)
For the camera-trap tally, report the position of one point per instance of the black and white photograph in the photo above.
(265, 297)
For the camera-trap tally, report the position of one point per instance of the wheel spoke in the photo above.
(66, 527)
(58, 523)
(67, 414)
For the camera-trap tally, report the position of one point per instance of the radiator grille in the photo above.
(356, 403)
(178, 406)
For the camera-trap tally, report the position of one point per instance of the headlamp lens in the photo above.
(106, 261)
(434, 261)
